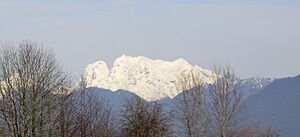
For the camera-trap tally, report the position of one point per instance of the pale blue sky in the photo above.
(255, 37)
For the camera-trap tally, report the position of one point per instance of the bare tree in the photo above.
(30, 77)
(90, 116)
(142, 119)
(257, 131)
(36, 99)
(190, 106)
(224, 102)
(65, 109)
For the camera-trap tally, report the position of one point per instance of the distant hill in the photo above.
(278, 105)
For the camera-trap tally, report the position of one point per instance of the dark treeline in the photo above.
(37, 99)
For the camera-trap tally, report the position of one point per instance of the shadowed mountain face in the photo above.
(115, 98)
(278, 105)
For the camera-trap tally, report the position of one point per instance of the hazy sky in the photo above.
(255, 37)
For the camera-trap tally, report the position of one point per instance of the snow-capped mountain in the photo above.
(145, 77)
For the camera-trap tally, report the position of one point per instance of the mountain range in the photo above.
(154, 79)
(267, 101)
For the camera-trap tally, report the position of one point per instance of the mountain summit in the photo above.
(147, 78)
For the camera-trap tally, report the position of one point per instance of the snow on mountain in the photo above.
(147, 78)
(255, 82)
(252, 86)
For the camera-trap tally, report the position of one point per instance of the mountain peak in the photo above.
(181, 61)
(125, 57)
(151, 79)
